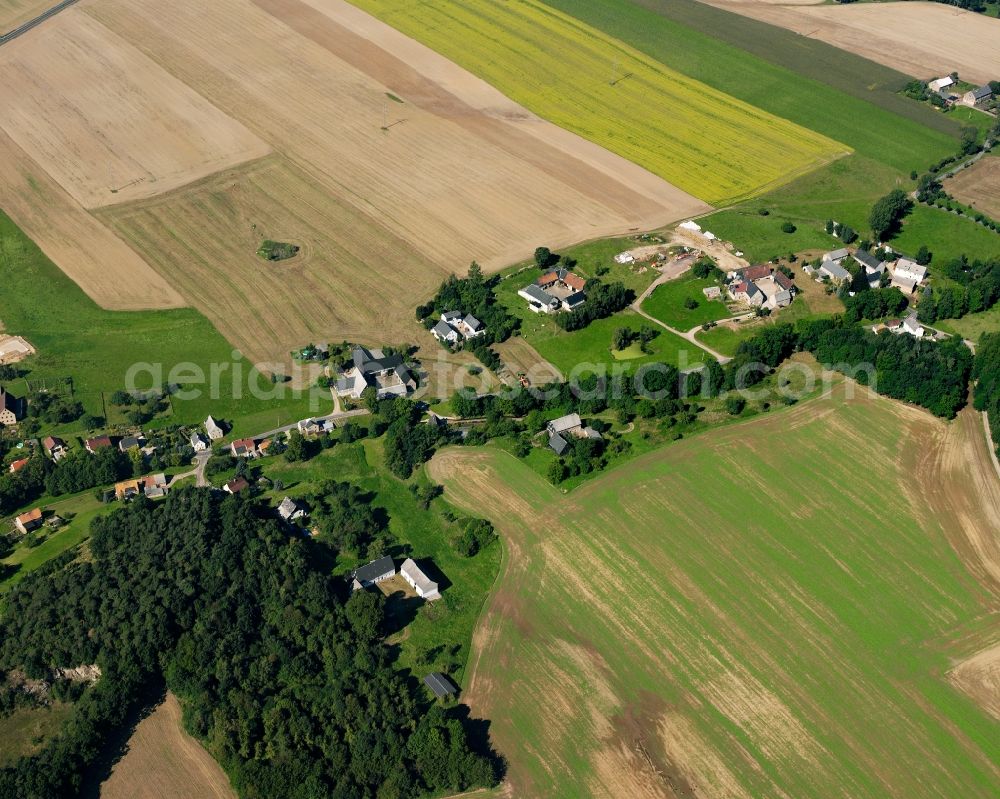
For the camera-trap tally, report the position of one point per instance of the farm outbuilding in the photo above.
(440, 685)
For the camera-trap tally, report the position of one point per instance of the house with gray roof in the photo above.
(977, 97)
(374, 572)
(836, 255)
(387, 374)
(834, 271)
(539, 300)
(444, 332)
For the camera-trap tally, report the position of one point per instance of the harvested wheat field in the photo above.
(17, 12)
(104, 121)
(924, 40)
(352, 278)
(722, 619)
(164, 762)
(978, 186)
(387, 165)
(112, 275)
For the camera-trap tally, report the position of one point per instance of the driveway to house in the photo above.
(198, 472)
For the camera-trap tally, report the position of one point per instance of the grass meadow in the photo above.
(701, 139)
(728, 612)
(76, 338)
(666, 303)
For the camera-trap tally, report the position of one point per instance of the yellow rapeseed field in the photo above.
(703, 141)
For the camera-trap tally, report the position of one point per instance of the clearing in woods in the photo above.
(724, 618)
(164, 761)
(978, 186)
(699, 138)
(922, 39)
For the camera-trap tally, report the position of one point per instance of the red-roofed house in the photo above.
(94, 444)
(753, 273)
(17, 465)
(29, 521)
(244, 448)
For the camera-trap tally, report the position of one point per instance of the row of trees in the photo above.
(282, 673)
(986, 373)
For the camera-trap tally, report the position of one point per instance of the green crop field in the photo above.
(733, 613)
(76, 338)
(702, 140)
(822, 88)
(666, 303)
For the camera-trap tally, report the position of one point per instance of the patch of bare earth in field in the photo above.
(921, 39)
(979, 677)
(164, 762)
(979, 185)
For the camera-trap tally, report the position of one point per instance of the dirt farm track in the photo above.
(300, 120)
(921, 39)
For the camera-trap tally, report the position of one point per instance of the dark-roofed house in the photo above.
(980, 96)
(387, 374)
(374, 572)
(440, 685)
(539, 300)
(11, 408)
(442, 331)
(558, 444)
(868, 261)
(130, 442)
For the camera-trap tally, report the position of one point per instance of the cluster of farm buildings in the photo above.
(558, 290)
(977, 97)
(757, 286)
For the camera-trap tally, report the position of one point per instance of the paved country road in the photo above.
(32, 23)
